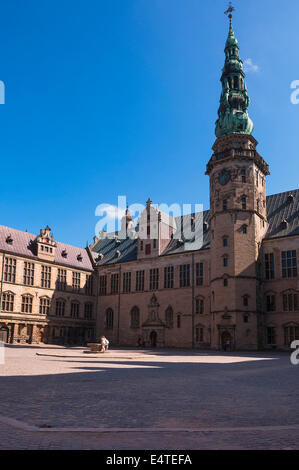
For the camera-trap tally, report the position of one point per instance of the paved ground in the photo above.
(147, 400)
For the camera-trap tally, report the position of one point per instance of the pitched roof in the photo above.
(24, 245)
(280, 207)
(283, 207)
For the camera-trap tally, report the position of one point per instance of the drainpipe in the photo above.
(98, 320)
(193, 301)
(2, 276)
(118, 310)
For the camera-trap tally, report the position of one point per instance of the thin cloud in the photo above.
(249, 66)
(111, 212)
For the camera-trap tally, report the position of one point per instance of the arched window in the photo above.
(44, 306)
(27, 301)
(109, 319)
(7, 302)
(169, 317)
(60, 308)
(135, 317)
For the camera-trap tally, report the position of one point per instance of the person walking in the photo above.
(106, 343)
(102, 340)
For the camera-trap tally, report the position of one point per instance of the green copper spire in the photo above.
(234, 101)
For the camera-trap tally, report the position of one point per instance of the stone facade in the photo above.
(40, 302)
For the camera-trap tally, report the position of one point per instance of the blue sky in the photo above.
(120, 97)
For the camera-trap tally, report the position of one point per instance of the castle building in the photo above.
(241, 287)
(47, 290)
(152, 282)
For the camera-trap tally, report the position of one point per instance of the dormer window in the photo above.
(9, 240)
(79, 258)
(205, 226)
(284, 224)
(290, 198)
(64, 254)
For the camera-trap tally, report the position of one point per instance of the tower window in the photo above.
(244, 229)
(243, 175)
(245, 301)
(225, 262)
(225, 204)
(244, 204)
(225, 241)
(225, 282)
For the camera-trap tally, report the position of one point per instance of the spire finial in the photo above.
(229, 12)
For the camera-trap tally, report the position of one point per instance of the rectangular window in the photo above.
(139, 281)
(148, 249)
(89, 284)
(225, 262)
(61, 280)
(44, 306)
(199, 335)
(75, 306)
(289, 264)
(26, 306)
(7, 302)
(271, 336)
(291, 334)
(243, 175)
(225, 204)
(10, 269)
(271, 303)
(169, 277)
(28, 278)
(185, 275)
(199, 274)
(103, 285)
(199, 306)
(46, 277)
(76, 281)
(290, 303)
(127, 282)
(114, 283)
(154, 279)
(88, 308)
(269, 266)
(60, 308)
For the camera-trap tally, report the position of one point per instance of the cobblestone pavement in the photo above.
(174, 391)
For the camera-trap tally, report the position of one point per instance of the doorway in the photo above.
(40, 337)
(4, 335)
(226, 341)
(153, 338)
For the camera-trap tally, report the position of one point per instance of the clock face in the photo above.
(224, 177)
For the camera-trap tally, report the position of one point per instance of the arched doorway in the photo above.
(226, 341)
(4, 335)
(153, 338)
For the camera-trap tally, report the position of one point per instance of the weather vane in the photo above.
(229, 11)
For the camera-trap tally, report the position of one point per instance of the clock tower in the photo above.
(238, 219)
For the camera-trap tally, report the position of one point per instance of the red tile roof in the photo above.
(23, 245)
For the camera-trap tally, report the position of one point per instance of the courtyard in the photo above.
(62, 398)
